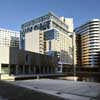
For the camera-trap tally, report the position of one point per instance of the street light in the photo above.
(73, 45)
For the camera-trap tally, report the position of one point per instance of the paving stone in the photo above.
(86, 90)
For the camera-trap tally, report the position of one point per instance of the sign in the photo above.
(41, 26)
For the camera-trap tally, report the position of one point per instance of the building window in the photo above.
(49, 45)
(26, 57)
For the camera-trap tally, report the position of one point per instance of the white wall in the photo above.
(68, 22)
(32, 41)
(4, 56)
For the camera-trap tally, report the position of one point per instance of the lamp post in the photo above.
(61, 63)
(73, 48)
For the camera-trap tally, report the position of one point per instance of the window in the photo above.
(49, 45)
(26, 57)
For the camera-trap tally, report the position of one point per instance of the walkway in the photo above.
(13, 92)
(69, 90)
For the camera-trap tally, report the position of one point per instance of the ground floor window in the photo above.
(4, 69)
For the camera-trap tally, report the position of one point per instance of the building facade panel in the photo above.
(21, 62)
(57, 40)
(9, 38)
(89, 35)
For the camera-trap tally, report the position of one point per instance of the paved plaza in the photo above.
(69, 90)
(1, 98)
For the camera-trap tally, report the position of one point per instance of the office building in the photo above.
(88, 43)
(9, 38)
(50, 35)
(14, 61)
(34, 41)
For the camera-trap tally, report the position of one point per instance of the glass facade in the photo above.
(51, 34)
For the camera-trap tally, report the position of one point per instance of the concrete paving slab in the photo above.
(67, 89)
(14, 92)
(1, 98)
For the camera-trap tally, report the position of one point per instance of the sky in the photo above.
(13, 13)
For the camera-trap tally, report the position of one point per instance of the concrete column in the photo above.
(43, 70)
(54, 70)
(23, 69)
(47, 70)
(29, 67)
(16, 69)
(51, 70)
(34, 70)
(39, 69)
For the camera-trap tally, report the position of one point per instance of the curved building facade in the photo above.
(88, 43)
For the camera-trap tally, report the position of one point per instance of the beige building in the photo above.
(61, 45)
(50, 35)
(34, 41)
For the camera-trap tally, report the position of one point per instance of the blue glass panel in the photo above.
(51, 34)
